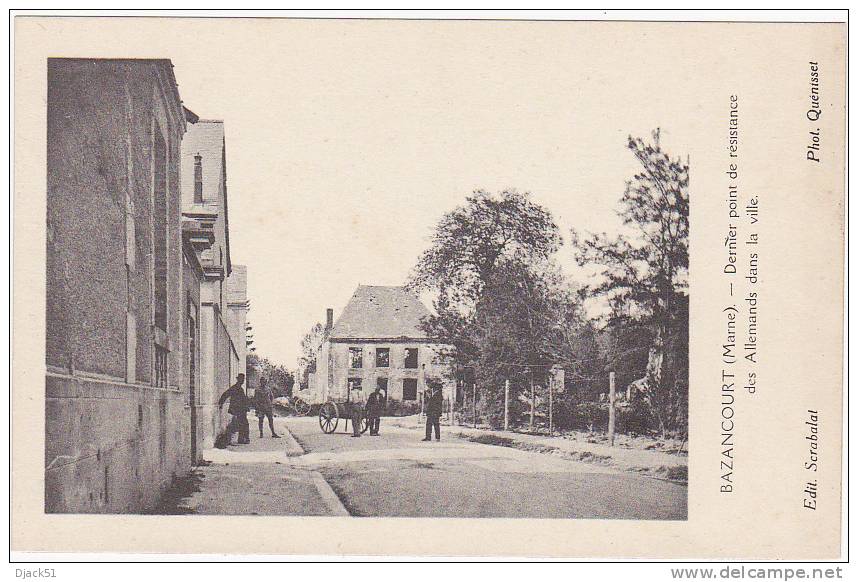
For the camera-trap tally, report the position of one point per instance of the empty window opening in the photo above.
(382, 358)
(409, 389)
(355, 357)
(411, 358)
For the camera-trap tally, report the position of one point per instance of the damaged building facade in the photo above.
(377, 341)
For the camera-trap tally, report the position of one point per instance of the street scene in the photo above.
(347, 307)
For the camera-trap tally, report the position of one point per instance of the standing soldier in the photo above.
(239, 404)
(434, 407)
(357, 407)
(263, 401)
(374, 405)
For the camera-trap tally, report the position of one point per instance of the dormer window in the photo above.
(198, 178)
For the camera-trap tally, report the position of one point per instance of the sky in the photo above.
(347, 141)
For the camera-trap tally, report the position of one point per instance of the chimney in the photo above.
(329, 322)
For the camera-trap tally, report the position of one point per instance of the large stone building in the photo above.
(378, 341)
(116, 427)
(223, 299)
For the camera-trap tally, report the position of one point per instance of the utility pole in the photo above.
(612, 397)
(506, 405)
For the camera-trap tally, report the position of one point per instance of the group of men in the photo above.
(375, 406)
(263, 402)
(239, 406)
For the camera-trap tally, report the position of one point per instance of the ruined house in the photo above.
(377, 341)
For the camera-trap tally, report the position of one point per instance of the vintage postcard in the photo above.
(426, 287)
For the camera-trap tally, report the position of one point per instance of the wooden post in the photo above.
(421, 387)
(452, 410)
(612, 397)
(532, 400)
(475, 404)
(551, 405)
(506, 405)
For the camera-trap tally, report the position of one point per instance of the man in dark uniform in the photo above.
(239, 404)
(357, 408)
(374, 406)
(263, 402)
(434, 407)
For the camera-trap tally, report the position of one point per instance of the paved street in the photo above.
(396, 474)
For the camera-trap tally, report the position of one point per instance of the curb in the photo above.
(326, 492)
(293, 447)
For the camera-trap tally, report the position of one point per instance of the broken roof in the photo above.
(376, 312)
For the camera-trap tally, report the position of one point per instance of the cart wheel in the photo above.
(328, 418)
(301, 408)
(364, 424)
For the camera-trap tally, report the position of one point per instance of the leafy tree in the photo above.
(248, 338)
(469, 242)
(310, 344)
(280, 379)
(500, 302)
(644, 277)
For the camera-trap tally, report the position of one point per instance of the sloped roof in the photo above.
(376, 312)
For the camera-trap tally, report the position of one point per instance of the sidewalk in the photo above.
(645, 462)
(266, 477)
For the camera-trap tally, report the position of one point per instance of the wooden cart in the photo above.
(331, 412)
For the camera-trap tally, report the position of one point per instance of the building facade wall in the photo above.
(334, 369)
(219, 363)
(237, 312)
(113, 440)
(191, 330)
(219, 345)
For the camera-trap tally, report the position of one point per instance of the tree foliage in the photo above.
(644, 276)
(500, 301)
(279, 378)
(310, 344)
(472, 240)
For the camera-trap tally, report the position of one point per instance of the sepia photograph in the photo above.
(431, 270)
(561, 386)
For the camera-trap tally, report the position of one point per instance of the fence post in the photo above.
(612, 396)
(532, 399)
(506, 405)
(551, 405)
(421, 387)
(475, 404)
